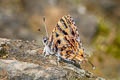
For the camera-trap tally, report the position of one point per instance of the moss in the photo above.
(103, 28)
(117, 39)
(102, 32)
(102, 38)
(114, 50)
(76, 1)
(100, 59)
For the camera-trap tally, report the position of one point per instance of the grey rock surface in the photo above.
(28, 71)
(25, 61)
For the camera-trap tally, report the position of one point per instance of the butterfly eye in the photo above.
(45, 40)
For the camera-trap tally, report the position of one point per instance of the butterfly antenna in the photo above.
(45, 26)
(91, 64)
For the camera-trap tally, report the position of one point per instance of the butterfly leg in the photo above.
(58, 58)
(46, 51)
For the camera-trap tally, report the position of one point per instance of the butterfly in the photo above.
(64, 41)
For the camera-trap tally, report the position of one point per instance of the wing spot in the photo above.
(65, 33)
(73, 33)
(82, 55)
(58, 41)
(57, 34)
(73, 40)
(61, 49)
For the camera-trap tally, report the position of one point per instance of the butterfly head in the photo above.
(45, 40)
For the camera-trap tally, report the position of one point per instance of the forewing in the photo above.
(65, 39)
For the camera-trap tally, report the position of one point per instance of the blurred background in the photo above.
(98, 23)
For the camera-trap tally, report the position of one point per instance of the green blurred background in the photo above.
(98, 23)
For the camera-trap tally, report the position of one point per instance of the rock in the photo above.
(25, 61)
(99, 78)
(29, 71)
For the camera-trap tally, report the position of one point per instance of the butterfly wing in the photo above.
(68, 25)
(65, 41)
